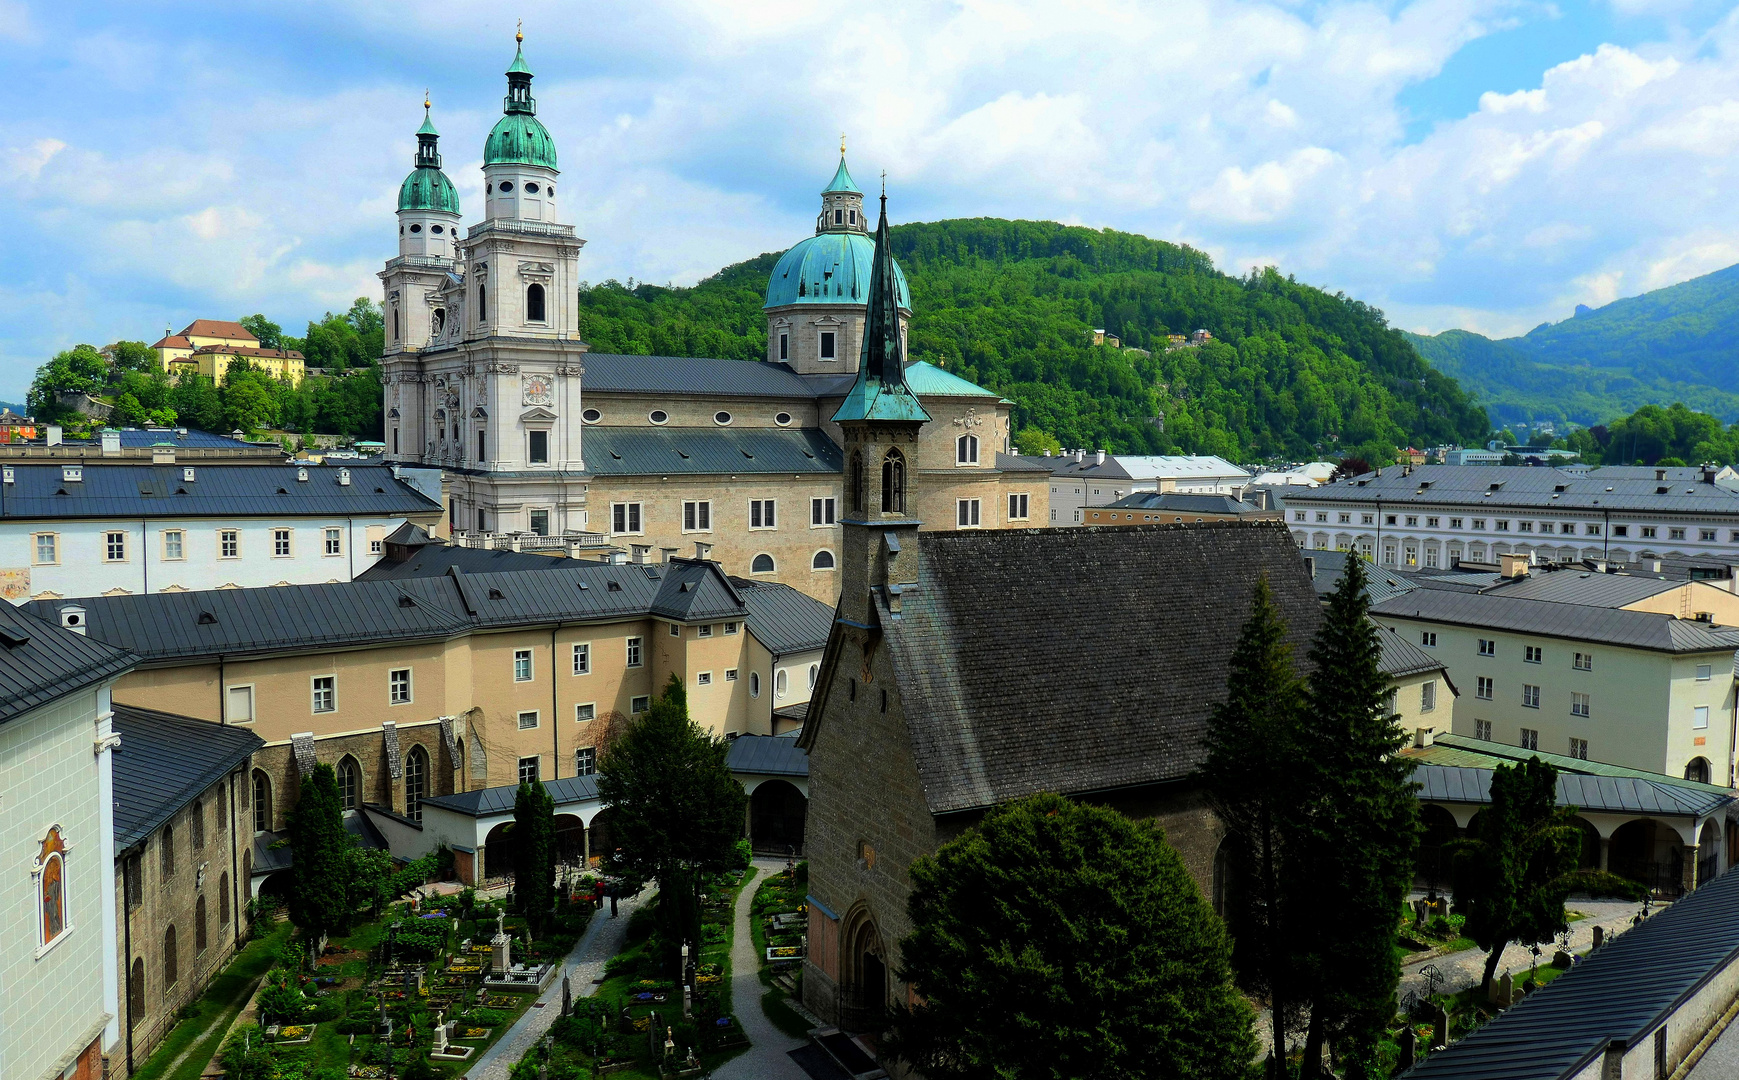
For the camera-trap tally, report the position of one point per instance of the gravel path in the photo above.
(603, 939)
(767, 1054)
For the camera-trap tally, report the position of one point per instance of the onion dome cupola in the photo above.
(519, 157)
(428, 211)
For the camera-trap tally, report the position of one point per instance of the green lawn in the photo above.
(214, 1011)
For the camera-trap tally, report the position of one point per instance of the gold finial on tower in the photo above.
(425, 97)
(842, 144)
(519, 32)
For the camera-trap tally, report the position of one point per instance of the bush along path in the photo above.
(191, 1045)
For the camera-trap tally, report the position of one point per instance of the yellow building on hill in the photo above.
(209, 346)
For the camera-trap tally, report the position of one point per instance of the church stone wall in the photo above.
(210, 871)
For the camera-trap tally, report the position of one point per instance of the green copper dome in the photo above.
(841, 180)
(520, 139)
(830, 268)
(428, 189)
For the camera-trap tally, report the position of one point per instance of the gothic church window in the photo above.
(136, 991)
(534, 303)
(262, 802)
(349, 784)
(171, 961)
(854, 480)
(416, 782)
(482, 305)
(894, 483)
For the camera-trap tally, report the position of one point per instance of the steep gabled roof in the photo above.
(1016, 678)
(218, 328)
(783, 619)
(694, 591)
(41, 662)
(164, 762)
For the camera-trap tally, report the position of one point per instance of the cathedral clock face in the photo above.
(537, 389)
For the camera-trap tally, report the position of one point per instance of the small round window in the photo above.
(658, 416)
(721, 418)
(507, 185)
(591, 416)
(782, 419)
(551, 192)
(531, 189)
(436, 229)
(416, 228)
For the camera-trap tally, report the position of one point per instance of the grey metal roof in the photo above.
(1402, 657)
(41, 662)
(143, 438)
(766, 755)
(1016, 463)
(1185, 502)
(1523, 488)
(1623, 990)
(484, 802)
(1448, 748)
(432, 604)
(1581, 586)
(614, 451)
(1326, 568)
(135, 491)
(783, 619)
(1615, 794)
(269, 858)
(1575, 622)
(608, 373)
(434, 559)
(164, 762)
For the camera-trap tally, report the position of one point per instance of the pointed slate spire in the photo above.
(880, 392)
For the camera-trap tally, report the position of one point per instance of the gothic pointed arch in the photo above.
(854, 481)
(894, 482)
(262, 795)
(416, 782)
(349, 783)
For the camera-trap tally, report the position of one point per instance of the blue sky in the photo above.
(1456, 162)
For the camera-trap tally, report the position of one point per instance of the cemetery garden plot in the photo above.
(780, 924)
(633, 1024)
(417, 990)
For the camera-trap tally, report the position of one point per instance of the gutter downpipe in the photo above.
(1377, 552)
(555, 719)
(145, 556)
(235, 869)
(127, 945)
(1605, 535)
(1732, 735)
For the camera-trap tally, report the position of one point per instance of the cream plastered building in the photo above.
(486, 377)
(208, 347)
(1632, 671)
(437, 684)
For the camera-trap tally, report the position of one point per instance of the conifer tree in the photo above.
(534, 852)
(1251, 752)
(1355, 826)
(320, 853)
(1519, 863)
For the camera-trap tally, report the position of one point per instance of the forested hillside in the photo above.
(1292, 372)
(1679, 343)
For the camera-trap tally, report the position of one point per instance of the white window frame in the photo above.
(523, 656)
(822, 512)
(703, 678)
(585, 712)
(1019, 506)
(969, 513)
(639, 703)
(331, 542)
(536, 769)
(1533, 654)
(229, 716)
(180, 536)
(630, 516)
(1530, 739)
(232, 539)
(1482, 730)
(585, 760)
(966, 450)
(832, 561)
(111, 543)
(314, 692)
(536, 719)
(676, 630)
(393, 697)
(763, 515)
(1581, 704)
(1483, 688)
(1487, 646)
(774, 569)
(582, 656)
(1428, 696)
(697, 515)
(754, 684)
(1699, 718)
(730, 674)
(1530, 696)
(530, 437)
(286, 537)
(704, 630)
(635, 652)
(36, 540)
(1583, 661)
(821, 342)
(730, 628)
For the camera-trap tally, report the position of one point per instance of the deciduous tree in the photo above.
(1058, 939)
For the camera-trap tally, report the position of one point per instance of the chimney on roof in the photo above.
(1167, 485)
(1655, 566)
(1099, 458)
(73, 618)
(162, 455)
(111, 442)
(702, 550)
(344, 477)
(1310, 566)
(1709, 470)
(54, 435)
(1513, 565)
(667, 553)
(1660, 474)
(302, 475)
(1423, 737)
(638, 553)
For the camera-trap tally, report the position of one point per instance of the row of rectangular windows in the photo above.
(324, 688)
(697, 515)
(1534, 654)
(46, 547)
(1530, 739)
(1567, 528)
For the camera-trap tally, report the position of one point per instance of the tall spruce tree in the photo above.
(320, 853)
(1519, 863)
(534, 852)
(1251, 754)
(1356, 829)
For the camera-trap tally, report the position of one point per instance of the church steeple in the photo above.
(880, 392)
(519, 99)
(428, 157)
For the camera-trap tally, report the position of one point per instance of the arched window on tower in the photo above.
(437, 322)
(136, 991)
(894, 483)
(395, 324)
(534, 303)
(416, 782)
(482, 303)
(966, 450)
(855, 481)
(171, 959)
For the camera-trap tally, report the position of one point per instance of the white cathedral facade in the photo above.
(486, 377)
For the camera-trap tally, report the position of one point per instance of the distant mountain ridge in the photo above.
(1680, 343)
